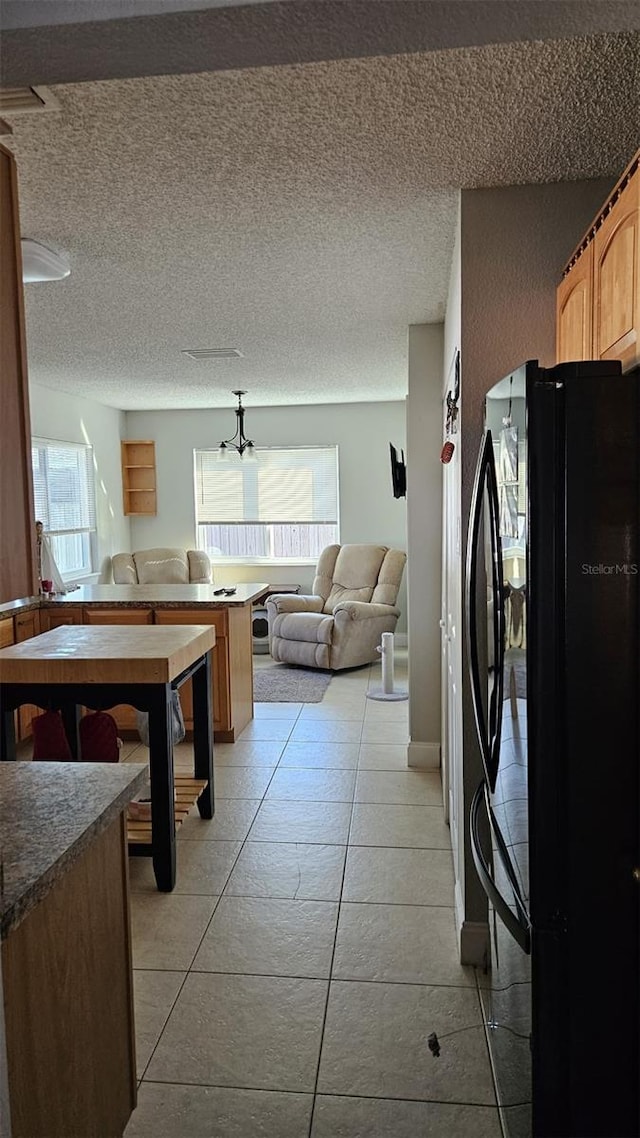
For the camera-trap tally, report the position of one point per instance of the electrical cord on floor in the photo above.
(433, 1040)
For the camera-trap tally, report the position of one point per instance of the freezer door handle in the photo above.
(518, 925)
(485, 494)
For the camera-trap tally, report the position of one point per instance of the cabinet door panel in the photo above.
(27, 624)
(53, 618)
(574, 317)
(118, 616)
(617, 279)
(124, 716)
(6, 633)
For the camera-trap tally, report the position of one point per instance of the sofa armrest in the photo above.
(124, 569)
(363, 610)
(199, 567)
(292, 602)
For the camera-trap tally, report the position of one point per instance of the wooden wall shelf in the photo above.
(139, 477)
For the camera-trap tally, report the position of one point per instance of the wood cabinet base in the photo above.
(69, 1002)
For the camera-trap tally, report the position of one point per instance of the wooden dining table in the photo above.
(79, 666)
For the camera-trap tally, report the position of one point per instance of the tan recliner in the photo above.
(162, 567)
(341, 624)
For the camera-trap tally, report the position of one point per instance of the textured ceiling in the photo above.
(302, 214)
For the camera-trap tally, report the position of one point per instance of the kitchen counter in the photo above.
(168, 596)
(49, 814)
(107, 596)
(23, 604)
(67, 1052)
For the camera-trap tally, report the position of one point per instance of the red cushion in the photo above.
(49, 739)
(99, 738)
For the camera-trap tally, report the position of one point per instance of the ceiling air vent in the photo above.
(212, 353)
(17, 100)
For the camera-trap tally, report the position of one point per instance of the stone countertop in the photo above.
(165, 596)
(23, 604)
(49, 814)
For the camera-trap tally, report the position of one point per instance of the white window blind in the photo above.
(64, 496)
(283, 506)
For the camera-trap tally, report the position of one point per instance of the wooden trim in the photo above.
(587, 238)
(19, 572)
(29, 506)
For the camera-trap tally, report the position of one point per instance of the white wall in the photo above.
(424, 513)
(452, 611)
(362, 431)
(55, 415)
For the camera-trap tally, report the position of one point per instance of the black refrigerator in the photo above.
(553, 623)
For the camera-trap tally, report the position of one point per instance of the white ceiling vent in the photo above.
(18, 100)
(212, 353)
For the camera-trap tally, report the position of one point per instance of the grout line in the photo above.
(328, 980)
(333, 953)
(326, 842)
(308, 1094)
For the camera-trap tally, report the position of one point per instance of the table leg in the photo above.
(163, 826)
(203, 735)
(7, 732)
(70, 713)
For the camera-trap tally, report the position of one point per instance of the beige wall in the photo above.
(424, 532)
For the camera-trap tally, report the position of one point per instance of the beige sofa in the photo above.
(162, 567)
(340, 626)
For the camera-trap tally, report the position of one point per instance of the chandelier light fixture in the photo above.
(238, 442)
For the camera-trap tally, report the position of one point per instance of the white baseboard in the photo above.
(424, 755)
(474, 943)
(473, 936)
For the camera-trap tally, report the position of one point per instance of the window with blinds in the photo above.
(64, 493)
(284, 507)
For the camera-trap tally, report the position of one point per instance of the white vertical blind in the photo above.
(63, 486)
(292, 486)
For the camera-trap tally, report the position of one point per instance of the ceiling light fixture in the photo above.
(238, 441)
(40, 263)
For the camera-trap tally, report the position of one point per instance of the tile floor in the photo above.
(287, 987)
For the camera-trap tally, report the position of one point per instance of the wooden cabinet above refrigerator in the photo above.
(598, 299)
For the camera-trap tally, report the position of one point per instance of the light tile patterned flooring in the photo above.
(287, 987)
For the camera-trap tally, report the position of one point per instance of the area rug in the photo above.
(284, 683)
